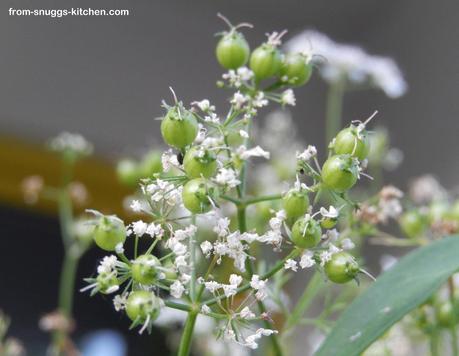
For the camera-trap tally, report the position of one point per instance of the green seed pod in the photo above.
(232, 50)
(296, 69)
(341, 268)
(128, 172)
(109, 232)
(179, 127)
(265, 61)
(340, 172)
(295, 203)
(350, 141)
(107, 283)
(197, 195)
(145, 269)
(306, 233)
(142, 304)
(413, 223)
(199, 163)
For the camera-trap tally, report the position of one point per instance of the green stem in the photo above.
(192, 248)
(311, 290)
(67, 284)
(434, 342)
(334, 109)
(242, 221)
(71, 257)
(262, 199)
(185, 342)
(276, 268)
(453, 329)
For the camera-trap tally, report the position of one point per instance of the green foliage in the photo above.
(395, 293)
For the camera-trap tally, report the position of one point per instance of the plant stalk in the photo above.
(187, 336)
(334, 108)
(453, 328)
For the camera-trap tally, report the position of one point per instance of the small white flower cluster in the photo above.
(161, 191)
(305, 156)
(350, 62)
(388, 206)
(71, 142)
(169, 160)
(236, 78)
(236, 244)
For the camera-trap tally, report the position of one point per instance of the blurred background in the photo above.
(105, 77)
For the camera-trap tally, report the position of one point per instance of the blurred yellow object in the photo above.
(19, 160)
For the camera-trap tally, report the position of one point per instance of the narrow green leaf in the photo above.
(395, 293)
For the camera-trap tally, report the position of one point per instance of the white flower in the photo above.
(155, 230)
(177, 289)
(245, 73)
(206, 248)
(227, 177)
(235, 78)
(331, 235)
(107, 265)
(163, 191)
(119, 302)
(239, 99)
(271, 237)
(288, 97)
(212, 118)
(259, 100)
(274, 38)
(235, 280)
(307, 154)
(243, 134)
(204, 105)
(67, 141)
(119, 248)
(212, 286)
(222, 227)
(260, 286)
(291, 264)
(331, 213)
(139, 228)
(202, 132)
(307, 260)
(186, 233)
(257, 151)
(205, 309)
(135, 206)
(347, 244)
(177, 247)
(229, 290)
(251, 340)
(180, 262)
(246, 313)
(169, 160)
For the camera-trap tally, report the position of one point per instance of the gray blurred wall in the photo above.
(105, 76)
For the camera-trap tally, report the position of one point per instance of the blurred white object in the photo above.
(350, 62)
(103, 343)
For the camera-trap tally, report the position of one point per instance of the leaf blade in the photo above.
(395, 293)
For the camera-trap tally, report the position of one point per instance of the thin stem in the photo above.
(192, 248)
(262, 199)
(434, 343)
(185, 342)
(453, 329)
(67, 284)
(71, 258)
(334, 109)
(276, 268)
(311, 290)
